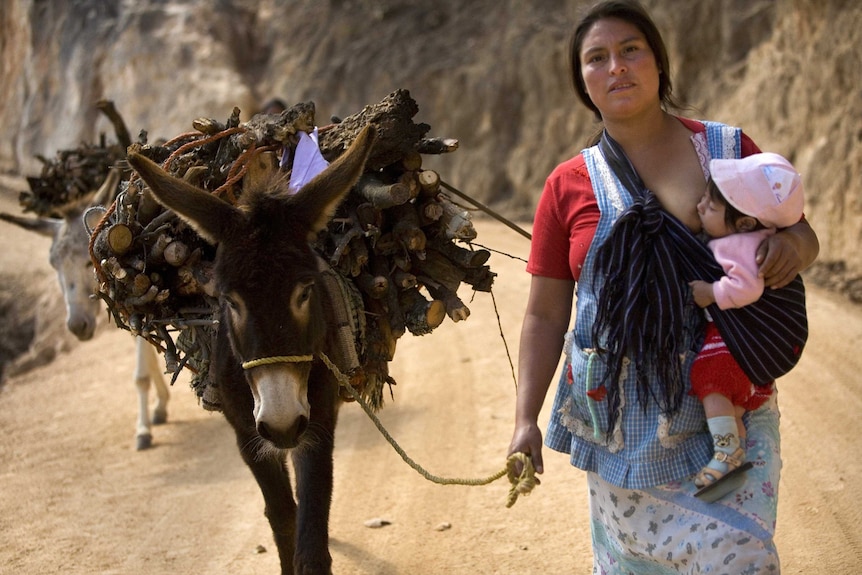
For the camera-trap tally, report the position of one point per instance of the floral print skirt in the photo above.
(666, 530)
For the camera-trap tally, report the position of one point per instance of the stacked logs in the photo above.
(74, 173)
(401, 242)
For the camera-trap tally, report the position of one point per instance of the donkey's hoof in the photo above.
(143, 442)
(160, 417)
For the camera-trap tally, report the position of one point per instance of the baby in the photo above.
(746, 201)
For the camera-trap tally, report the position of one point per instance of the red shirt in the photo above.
(568, 213)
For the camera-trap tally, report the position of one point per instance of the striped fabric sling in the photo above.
(645, 266)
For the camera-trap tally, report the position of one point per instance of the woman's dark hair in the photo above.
(731, 214)
(632, 12)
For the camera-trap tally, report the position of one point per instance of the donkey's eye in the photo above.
(305, 293)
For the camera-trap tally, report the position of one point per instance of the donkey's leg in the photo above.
(269, 468)
(147, 369)
(313, 468)
(143, 436)
(155, 369)
(273, 478)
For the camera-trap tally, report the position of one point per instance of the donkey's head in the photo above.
(266, 275)
(69, 255)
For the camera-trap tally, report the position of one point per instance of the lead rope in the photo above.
(522, 483)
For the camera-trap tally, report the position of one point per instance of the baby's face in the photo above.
(711, 215)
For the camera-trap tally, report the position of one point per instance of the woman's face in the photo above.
(619, 69)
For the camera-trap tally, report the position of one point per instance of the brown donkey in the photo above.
(275, 391)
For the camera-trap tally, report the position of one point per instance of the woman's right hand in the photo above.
(527, 439)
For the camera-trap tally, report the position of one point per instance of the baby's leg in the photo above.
(740, 426)
(718, 405)
(725, 425)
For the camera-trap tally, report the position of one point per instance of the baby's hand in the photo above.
(702, 292)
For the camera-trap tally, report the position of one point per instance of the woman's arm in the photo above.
(783, 255)
(549, 310)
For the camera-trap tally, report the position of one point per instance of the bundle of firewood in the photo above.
(401, 243)
(73, 174)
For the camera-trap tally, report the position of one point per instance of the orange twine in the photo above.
(179, 137)
(97, 265)
(239, 169)
(186, 147)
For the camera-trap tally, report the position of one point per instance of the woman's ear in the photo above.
(746, 224)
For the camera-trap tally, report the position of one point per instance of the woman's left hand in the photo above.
(779, 261)
(783, 255)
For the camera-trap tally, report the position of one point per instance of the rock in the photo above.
(377, 523)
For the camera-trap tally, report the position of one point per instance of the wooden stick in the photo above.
(375, 286)
(118, 238)
(406, 229)
(437, 145)
(461, 256)
(176, 253)
(440, 269)
(429, 183)
(421, 316)
(382, 195)
(487, 210)
(455, 223)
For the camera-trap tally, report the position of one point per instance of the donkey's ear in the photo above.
(211, 217)
(47, 227)
(107, 192)
(320, 197)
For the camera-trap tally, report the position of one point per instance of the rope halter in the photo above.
(277, 359)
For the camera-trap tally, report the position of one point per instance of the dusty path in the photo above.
(76, 499)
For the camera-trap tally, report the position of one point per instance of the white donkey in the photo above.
(69, 256)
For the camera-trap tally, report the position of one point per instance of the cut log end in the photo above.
(435, 314)
(421, 316)
(119, 239)
(176, 253)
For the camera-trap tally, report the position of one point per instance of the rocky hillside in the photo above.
(491, 73)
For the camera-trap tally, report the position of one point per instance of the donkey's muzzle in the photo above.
(82, 326)
(281, 409)
(283, 438)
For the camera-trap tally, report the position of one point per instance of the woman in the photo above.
(622, 409)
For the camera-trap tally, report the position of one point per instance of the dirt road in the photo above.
(75, 498)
